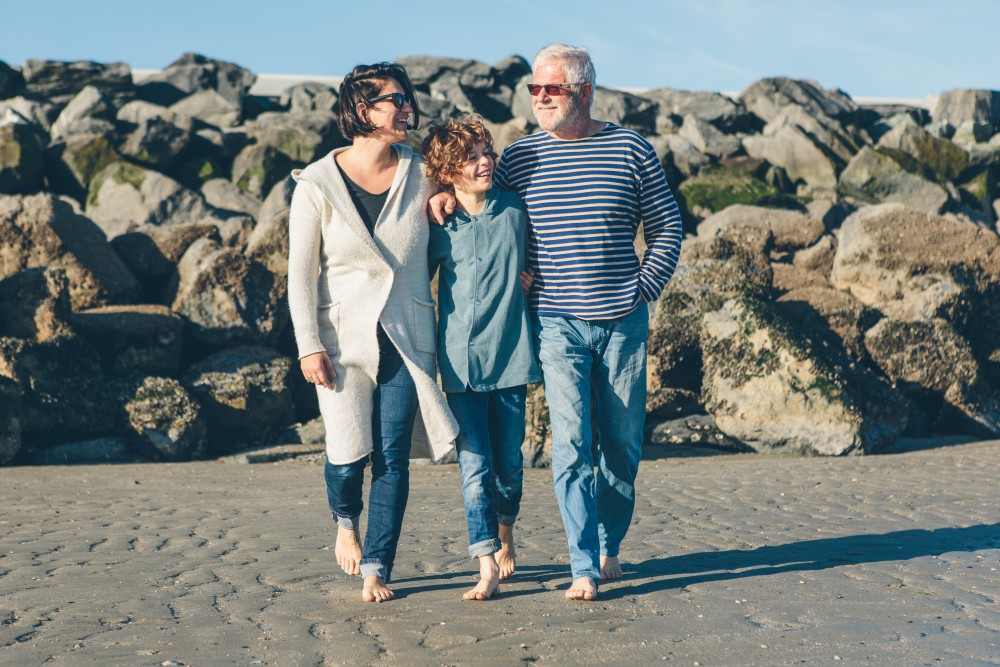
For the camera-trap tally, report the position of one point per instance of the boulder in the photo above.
(72, 163)
(944, 160)
(511, 70)
(225, 195)
(157, 142)
(209, 107)
(709, 139)
(789, 277)
(715, 191)
(537, 446)
(628, 110)
(139, 340)
(961, 105)
(767, 98)
(21, 109)
(818, 257)
(829, 318)
(683, 157)
(930, 361)
(301, 137)
(721, 111)
(245, 395)
(22, 158)
(809, 164)
(258, 167)
(89, 103)
(152, 253)
(59, 82)
(674, 349)
(42, 230)
(915, 266)
(165, 421)
(193, 73)
(716, 269)
(64, 395)
(310, 96)
(698, 431)
(268, 243)
(35, 303)
(123, 197)
(971, 133)
(227, 298)
(790, 230)
(874, 176)
(10, 419)
(11, 81)
(767, 387)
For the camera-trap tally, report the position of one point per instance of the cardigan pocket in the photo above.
(425, 336)
(328, 316)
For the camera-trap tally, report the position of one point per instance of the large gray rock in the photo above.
(22, 158)
(674, 349)
(209, 107)
(809, 164)
(767, 98)
(708, 139)
(684, 157)
(10, 419)
(829, 318)
(157, 142)
(768, 388)
(123, 197)
(259, 167)
(915, 266)
(21, 109)
(64, 395)
(302, 137)
(42, 230)
(35, 304)
(228, 298)
(874, 176)
(245, 394)
(715, 269)
(88, 103)
(268, 243)
(152, 254)
(193, 73)
(139, 340)
(225, 195)
(625, 109)
(791, 230)
(73, 162)
(930, 361)
(59, 82)
(961, 105)
(11, 81)
(165, 421)
(721, 111)
(310, 96)
(945, 160)
(833, 137)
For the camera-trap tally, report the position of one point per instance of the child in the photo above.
(484, 339)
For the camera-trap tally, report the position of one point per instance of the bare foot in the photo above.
(610, 568)
(489, 580)
(375, 590)
(506, 557)
(348, 551)
(582, 589)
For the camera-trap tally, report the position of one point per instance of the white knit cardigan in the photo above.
(364, 279)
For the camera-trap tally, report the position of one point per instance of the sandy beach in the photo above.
(731, 560)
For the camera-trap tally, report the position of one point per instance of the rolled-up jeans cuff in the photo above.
(348, 522)
(373, 568)
(506, 520)
(484, 548)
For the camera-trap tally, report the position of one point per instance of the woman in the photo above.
(365, 328)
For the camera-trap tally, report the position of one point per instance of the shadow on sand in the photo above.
(676, 572)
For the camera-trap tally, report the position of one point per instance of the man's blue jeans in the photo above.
(393, 410)
(603, 360)
(489, 455)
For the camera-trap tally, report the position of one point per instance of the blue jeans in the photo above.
(489, 455)
(603, 361)
(394, 407)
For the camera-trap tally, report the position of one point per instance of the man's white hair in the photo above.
(578, 65)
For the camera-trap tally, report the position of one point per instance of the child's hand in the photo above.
(527, 279)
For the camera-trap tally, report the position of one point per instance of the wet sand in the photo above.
(731, 560)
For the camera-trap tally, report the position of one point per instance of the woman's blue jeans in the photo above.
(393, 410)
(489, 456)
(603, 360)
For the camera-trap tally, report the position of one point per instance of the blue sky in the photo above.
(871, 48)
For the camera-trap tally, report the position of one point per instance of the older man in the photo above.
(588, 184)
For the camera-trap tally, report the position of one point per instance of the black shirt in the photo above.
(368, 205)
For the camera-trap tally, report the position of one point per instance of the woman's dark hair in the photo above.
(363, 83)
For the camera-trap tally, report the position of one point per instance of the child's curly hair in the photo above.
(448, 143)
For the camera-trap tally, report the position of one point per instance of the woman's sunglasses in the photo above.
(551, 89)
(397, 99)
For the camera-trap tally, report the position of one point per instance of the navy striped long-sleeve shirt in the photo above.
(586, 199)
